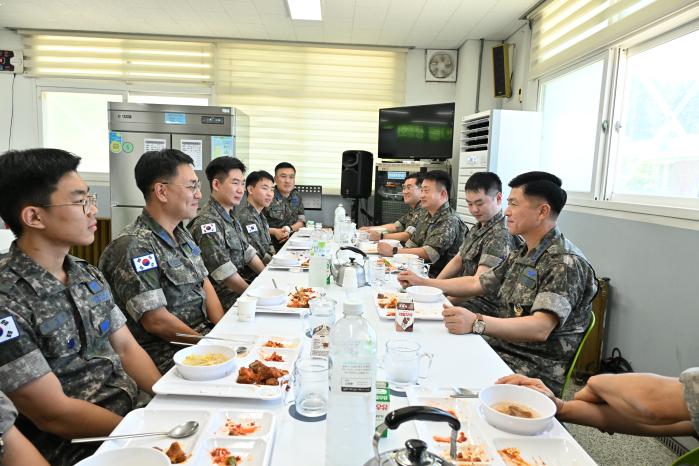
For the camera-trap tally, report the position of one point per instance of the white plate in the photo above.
(118, 457)
(263, 420)
(423, 311)
(158, 420)
(171, 383)
(286, 259)
(304, 231)
(267, 296)
(546, 451)
(251, 452)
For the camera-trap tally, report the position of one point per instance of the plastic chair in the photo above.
(691, 458)
(569, 374)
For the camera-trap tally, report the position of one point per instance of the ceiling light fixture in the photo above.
(305, 9)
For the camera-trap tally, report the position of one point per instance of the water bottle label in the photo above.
(320, 346)
(356, 377)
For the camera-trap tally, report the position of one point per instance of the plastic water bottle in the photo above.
(352, 403)
(339, 216)
(319, 260)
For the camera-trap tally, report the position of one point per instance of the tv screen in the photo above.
(417, 132)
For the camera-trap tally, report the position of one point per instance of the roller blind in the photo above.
(566, 30)
(307, 104)
(118, 58)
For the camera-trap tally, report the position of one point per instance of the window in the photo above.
(77, 122)
(657, 152)
(570, 104)
(168, 99)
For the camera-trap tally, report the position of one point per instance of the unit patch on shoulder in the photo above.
(143, 263)
(252, 228)
(208, 228)
(8, 329)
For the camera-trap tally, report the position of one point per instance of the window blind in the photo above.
(307, 104)
(566, 30)
(133, 59)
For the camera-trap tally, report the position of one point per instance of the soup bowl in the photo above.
(540, 404)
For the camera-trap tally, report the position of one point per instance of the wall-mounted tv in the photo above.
(416, 132)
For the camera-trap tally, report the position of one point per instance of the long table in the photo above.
(459, 361)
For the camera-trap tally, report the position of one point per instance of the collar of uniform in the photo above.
(548, 239)
(480, 230)
(443, 210)
(42, 282)
(417, 206)
(279, 196)
(253, 210)
(220, 210)
(159, 231)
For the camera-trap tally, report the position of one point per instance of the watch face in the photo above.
(478, 327)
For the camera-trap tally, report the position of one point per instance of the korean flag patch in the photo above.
(8, 329)
(252, 228)
(208, 228)
(143, 263)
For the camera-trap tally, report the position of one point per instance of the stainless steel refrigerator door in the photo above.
(197, 146)
(122, 216)
(125, 148)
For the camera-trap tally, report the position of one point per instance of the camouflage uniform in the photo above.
(556, 278)
(8, 414)
(690, 380)
(285, 210)
(408, 220)
(148, 270)
(487, 245)
(64, 330)
(256, 230)
(224, 248)
(440, 235)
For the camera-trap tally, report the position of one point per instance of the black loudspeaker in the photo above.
(501, 71)
(355, 181)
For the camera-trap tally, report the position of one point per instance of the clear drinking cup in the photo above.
(311, 386)
(377, 272)
(403, 364)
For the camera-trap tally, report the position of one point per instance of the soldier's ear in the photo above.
(545, 210)
(32, 217)
(160, 192)
(215, 184)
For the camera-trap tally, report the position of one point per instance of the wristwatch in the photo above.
(287, 228)
(395, 250)
(478, 325)
(381, 235)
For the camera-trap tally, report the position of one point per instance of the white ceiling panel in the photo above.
(404, 23)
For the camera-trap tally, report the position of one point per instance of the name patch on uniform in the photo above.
(252, 228)
(208, 228)
(94, 286)
(104, 325)
(100, 297)
(143, 263)
(8, 329)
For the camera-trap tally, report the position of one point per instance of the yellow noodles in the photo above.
(208, 359)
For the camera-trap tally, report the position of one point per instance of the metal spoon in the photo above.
(239, 349)
(274, 282)
(181, 431)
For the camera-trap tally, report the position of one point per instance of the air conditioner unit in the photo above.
(11, 61)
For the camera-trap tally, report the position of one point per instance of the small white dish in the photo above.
(287, 259)
(213, 372)
(556, 451)
(268, 296)
(129, 455)
(424, 294)
(404, 258)
(393, 242)
(540, 403)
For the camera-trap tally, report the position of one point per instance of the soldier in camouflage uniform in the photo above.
(223, 244)
(286, 213)
(438, 231)
(15, 449)
(485, 246)
(402, 228)
(543, 290)
(260, 192)
(62, 338)
(157, 273)
(690, 381)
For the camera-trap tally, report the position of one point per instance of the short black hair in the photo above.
(219, 167)
(29, 177)
(440, 177)
(488, 182)
(281, 165)
(543, 185)
(155, 166)
(254, 177)
(418, 176)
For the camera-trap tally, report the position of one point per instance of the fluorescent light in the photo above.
(305, 9)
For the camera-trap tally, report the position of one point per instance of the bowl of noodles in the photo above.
(205, 362)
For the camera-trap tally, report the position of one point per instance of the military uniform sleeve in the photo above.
(561, 286)
(492, 279)
(690, 381)
(440, 238)
(21, 360)
(496, 248)
(139, 290)
(8, 414)
(214, 251)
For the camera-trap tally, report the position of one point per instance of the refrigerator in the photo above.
(201, 132)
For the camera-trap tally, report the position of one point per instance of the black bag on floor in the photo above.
(615, 364)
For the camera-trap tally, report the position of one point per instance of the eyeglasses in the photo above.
(192, 187)
(408, 187)
(87, 203)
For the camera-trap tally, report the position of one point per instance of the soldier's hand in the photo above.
(363, 228)
(534, 384)
(384, 249)
(374, 235)
(409, 278)
(458, 320)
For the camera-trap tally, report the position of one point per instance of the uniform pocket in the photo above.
(59, 336)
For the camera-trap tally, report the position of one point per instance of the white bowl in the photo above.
(521, 395)
(268, 296)
(393, 242)
(286, 259)
(129, 455)
(424, 294)
(303, 242)
(405, 258)
(304, 231)
(213, 372)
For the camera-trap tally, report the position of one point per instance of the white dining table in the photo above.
(459, 361)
